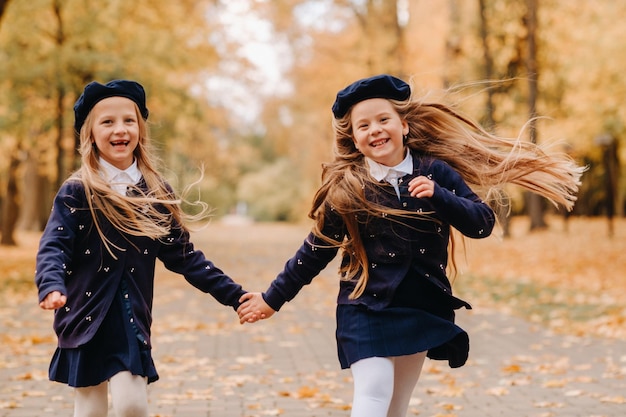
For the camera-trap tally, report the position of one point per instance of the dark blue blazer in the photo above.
(395, 247)
(73, 260)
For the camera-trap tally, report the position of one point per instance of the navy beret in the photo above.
(378, 86)
(94, 92)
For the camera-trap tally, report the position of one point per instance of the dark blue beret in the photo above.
(94, 92)
(378, 86)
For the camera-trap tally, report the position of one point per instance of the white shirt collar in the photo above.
(120, 179)
(381, 172)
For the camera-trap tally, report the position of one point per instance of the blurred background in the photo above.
(244, 88)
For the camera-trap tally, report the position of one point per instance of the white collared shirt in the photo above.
(119, 179)
(391, 174)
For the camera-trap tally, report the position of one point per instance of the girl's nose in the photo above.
(120, 128)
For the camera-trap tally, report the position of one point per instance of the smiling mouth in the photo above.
(379, 143)
(120, 143)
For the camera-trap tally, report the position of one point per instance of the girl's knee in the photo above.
(373, 379)
(131, 409)
(129, 394)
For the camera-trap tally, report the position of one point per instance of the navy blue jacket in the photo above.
(73, 260)
(395, 247)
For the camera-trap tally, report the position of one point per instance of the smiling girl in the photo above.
(110, 221)
(397, 187)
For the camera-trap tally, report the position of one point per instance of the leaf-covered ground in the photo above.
(571, 276)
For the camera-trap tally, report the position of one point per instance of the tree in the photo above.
(56, 47)
(3, 7)
(534, 202)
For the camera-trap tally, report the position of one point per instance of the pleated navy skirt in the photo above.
(113, 349)
(397, 331)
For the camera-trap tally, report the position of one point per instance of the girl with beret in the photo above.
(398, 185)
(110, 221)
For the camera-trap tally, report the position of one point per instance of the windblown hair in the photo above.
(150, 212)
(485, 161)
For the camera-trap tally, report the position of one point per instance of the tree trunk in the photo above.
(383, 37)
(10, 209)
(502, 211)
(60, 40)
(3, 8)
(453, 45)
(35, 204)
(535, 204)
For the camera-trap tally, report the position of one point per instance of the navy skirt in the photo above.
(114, 348)
(397, 331)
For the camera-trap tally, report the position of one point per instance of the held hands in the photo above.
(53, 301)
(421, 187)
(253, 308)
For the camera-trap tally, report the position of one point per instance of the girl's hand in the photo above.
(53, 301)
(253, 308)
(421, 187)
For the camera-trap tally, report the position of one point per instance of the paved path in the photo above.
(211, 366)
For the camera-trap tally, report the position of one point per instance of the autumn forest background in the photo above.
(242, 89)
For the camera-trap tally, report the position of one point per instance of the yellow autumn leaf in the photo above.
(306, 392)
(512, 369)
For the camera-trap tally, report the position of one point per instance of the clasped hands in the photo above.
(253, 308)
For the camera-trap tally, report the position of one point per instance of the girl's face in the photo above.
(115, 130)
(377, 131)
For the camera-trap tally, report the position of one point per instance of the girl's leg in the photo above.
(373, 387)
(129, 394)
(406, 373)
(91, 401)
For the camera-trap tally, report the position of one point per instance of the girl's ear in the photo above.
(405, 127)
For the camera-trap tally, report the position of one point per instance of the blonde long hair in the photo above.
(151, 212)
(485, 161)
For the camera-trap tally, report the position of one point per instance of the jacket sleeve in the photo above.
(456, 204)
(179, 255)
(56, 245)
(309, 260)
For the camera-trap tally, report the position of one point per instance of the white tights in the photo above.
(383, 386)
(129, 395)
